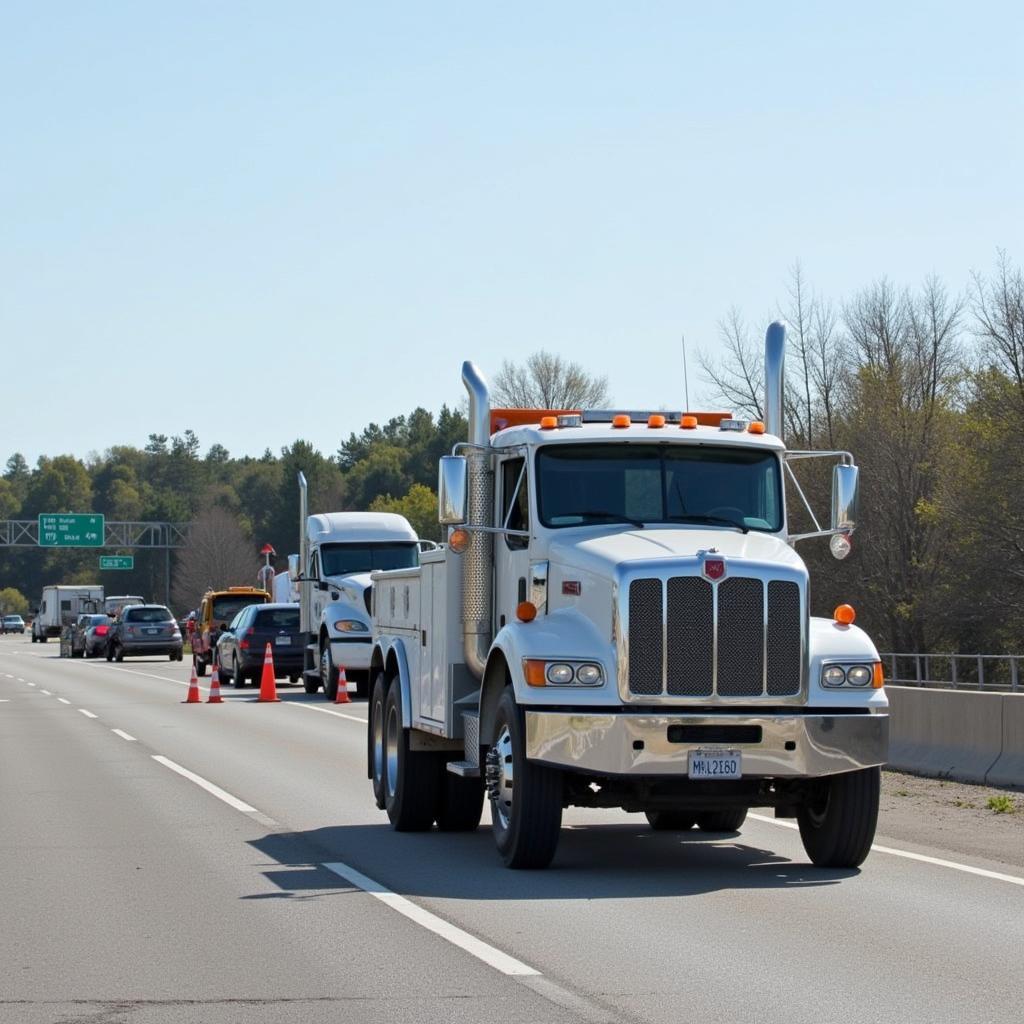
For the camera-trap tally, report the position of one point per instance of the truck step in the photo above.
(464, 769)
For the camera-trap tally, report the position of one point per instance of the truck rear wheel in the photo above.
(410, 777)
(462, 802)
(728, 819)
(375, 754)
(526, 799)
(670, 821)
(837, 825)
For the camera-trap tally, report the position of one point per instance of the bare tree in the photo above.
(739, 376)
(800, 316)
(218, 555)
(547, 381)
(998, 308)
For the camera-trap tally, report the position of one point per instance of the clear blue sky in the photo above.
(270, 221)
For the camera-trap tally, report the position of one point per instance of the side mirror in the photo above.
(293, 566)
(844, 497)
(452, 490)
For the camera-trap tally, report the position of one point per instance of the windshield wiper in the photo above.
(725, 521)
(616, 517)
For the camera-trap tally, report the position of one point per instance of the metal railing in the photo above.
(996, 673)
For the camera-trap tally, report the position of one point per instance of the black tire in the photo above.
(328, 673)
(526, 807)
(671, 821)
(119, 653)
(237, 675)
(462, 802)
(375, 754)
(728, 819)
(200, 666)
(411, 777)
(837, 825)
(76, 654)
(311, 684)
(179, 656)
(293, 679)
(110, 652)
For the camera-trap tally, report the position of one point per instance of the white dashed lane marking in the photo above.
(88, 714)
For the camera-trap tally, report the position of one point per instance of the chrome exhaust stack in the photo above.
(774, 377)
(477, 580)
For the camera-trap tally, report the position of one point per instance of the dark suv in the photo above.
(144, 629)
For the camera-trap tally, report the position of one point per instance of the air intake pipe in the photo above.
(477, 577)
(774, 376)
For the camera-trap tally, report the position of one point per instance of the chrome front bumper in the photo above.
(638, 744)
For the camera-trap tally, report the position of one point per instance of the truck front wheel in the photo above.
(837, 824)
(526, 799)
(410, 777)
(328, 673)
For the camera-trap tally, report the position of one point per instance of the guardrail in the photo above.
(994, 673)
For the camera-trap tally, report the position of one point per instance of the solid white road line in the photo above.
(88, 714)
(456, 936)
(922, 858)
(63, 700)
(220, 794)
(124, 735)
(327, 711)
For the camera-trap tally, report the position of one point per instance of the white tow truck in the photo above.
(338, 551)
(619, 619)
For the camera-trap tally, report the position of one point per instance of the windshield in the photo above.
(226, 607)
(345, 559)
(608, 483)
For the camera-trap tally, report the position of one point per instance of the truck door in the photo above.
(511, 554)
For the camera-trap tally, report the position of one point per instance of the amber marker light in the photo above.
(458, 541)
(526, 611)
(535, 673)
(548, 422)
(620, 421)
(844, 614)
(877, 676)
(655, 421)
(688, 423)
(756, 427)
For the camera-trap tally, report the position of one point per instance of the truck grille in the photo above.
(674, 650)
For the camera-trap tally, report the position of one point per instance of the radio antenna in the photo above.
(686, 377)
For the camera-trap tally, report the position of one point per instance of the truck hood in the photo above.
(352, 586)
(606, 553)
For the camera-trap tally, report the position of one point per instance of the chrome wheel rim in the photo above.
(378, 744)
(501, 777)
(325, 667)
(391, 750)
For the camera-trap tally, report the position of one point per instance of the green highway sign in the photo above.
(70, 530)
(117, 561)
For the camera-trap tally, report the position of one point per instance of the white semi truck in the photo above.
(60, 605)
(338, 551)
(619, 619)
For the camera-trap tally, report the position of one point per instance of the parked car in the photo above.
(242, 646)
(12, 624)
(144, 629)
(89, 636)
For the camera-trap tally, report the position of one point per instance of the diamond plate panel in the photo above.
(691, 635)
(741, 638)
(645, 637)
(784, 631)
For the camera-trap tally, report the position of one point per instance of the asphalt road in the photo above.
(247, 876)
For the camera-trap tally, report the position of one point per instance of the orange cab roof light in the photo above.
(502, 418)
(621, 421)
(688, 423)
(655, 420)
(548, 422)
(755, 427)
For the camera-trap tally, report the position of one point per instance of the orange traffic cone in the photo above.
(342, 697)
(268, 685)
(193, 688)
(215, 697)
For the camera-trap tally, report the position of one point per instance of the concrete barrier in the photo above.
(946, 733)
(1009, 768)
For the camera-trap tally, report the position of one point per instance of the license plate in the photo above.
(715, 764)
(152, 632)
(283, 640)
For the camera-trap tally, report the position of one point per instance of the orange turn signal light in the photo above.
(877, 676)
(655, 421)
(622, 420)
(458, 540)
(844, 614)
(688, 423)
(548, 422)
(756, 427)
(526, 611)
(535, 673)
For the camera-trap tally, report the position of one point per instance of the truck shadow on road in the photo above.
(593, 862)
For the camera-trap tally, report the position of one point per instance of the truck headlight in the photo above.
(834, 675)
(858, 675)
(350, 626)
(562, 673)
(588, 675)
